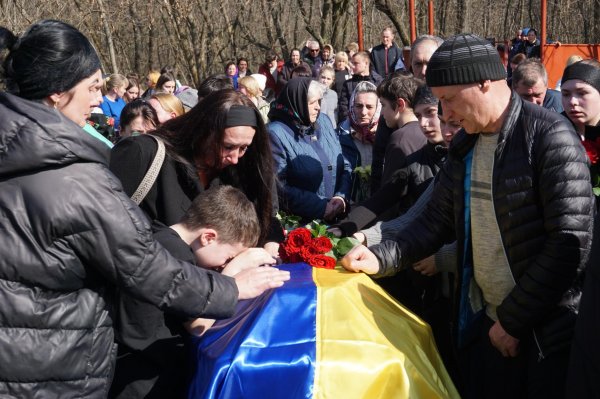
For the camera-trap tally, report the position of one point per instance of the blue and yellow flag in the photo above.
(324, 334)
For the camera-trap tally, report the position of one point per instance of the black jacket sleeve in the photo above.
(385, 198)
(119, 244)
(430, 230)
(382, 136)
(565, 195)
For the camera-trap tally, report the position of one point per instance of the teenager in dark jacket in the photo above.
(360, 73)
(523, 237)
(70, 235)
(397, 96)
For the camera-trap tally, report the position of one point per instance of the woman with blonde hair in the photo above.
(251, 88)
(112, 102)
(151, 80)
(167, 106)
(342, 71)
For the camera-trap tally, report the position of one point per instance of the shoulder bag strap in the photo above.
(152, 173)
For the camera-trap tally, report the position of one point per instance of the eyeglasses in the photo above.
(313, 50)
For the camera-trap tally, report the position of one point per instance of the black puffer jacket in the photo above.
(67, 234)
(544, 207)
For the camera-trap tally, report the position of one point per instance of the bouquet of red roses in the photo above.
(315, 246)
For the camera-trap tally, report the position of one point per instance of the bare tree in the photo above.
(198, 36)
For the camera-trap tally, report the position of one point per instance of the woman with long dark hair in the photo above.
(222, 140)
(70, 235)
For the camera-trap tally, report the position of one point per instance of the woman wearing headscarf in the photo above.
(70, 235)
(357, 134)
(232, 73)
(313, 177)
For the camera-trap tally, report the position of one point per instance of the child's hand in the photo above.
(252, 257)
(253, 282)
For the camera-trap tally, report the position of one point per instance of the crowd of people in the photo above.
(134, 215)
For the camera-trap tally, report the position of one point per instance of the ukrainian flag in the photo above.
(324, 334)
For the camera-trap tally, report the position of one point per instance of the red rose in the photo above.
(322, 261)
(283, 253)
(322, 244)
(297, 239)
(288, 257)
(308, 251)
(592, 151)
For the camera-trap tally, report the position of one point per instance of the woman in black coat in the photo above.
(69, 233)
(222, 140)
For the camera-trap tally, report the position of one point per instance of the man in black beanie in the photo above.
(515, 194)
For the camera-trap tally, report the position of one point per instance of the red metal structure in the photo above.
(412, 20)
(361, 44)
(430, 16)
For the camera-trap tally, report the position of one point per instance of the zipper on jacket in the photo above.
(537, 343)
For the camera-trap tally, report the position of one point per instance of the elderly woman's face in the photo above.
(236, 141)
(78, 102)
(314, 106)
(581, 102)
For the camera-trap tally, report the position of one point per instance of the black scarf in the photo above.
(291, 106)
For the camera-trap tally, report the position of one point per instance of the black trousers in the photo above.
(489, 375)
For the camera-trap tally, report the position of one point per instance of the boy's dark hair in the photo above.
(424, 95)
(399, 86)
(226, 210)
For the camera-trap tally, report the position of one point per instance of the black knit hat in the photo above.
(464, 59)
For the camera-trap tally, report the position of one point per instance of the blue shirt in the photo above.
(113, 109)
